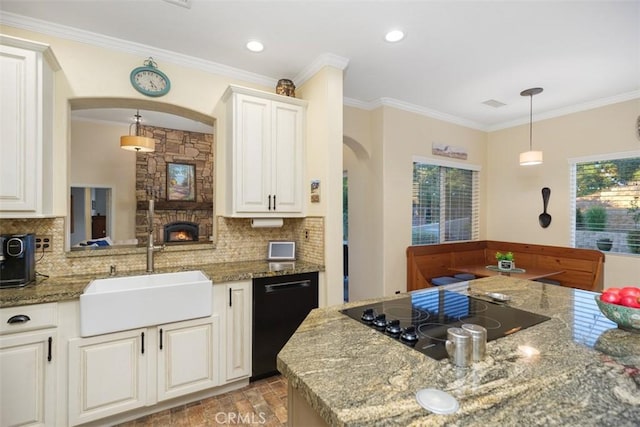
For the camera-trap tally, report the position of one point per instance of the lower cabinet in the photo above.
(188, 354)
(28, 365)
(239, 313)
(113, 373)
(27, 379)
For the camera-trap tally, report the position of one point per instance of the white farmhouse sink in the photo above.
(121, 303)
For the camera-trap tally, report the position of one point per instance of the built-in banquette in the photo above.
(581, 268)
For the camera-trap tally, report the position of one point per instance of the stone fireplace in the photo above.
(194, 216)
(181, 231)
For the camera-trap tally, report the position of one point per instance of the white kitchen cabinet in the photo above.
(28, 366)
(265, 154)
(113, 373)
(107, 375)
(26, 123)
(188, 357)
(238, 330)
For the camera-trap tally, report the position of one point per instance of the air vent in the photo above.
(493, 103)
(184, 3)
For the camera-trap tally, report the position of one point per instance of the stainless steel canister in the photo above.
(459, 346)
(478, 339)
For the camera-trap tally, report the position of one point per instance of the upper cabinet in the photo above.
(26, 122)
(265, 154)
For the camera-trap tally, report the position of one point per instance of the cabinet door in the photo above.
(238, 330)
(107, 375)
(252, 153)
(27, 373)
(286, 150)
(188, 357)
(19, 172)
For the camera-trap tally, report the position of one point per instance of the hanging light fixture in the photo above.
(531, 157)
(137, 142)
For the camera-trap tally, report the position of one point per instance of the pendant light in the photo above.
(137, 142)
(531, 157)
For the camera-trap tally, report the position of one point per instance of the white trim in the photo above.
(327, 59)
(590, 105)
(107, 42)
(412, 108)
(572, 204)
(604, 157)
(324, 60)
(356, 103)
(445, 163)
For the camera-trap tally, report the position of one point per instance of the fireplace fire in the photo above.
(181, 232)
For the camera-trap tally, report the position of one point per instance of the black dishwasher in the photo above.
(280, 304)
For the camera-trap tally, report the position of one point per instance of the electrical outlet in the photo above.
(306, 234)
(44, 244)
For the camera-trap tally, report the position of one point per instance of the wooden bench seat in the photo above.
(582, 268)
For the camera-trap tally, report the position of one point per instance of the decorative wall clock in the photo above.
(149, 80)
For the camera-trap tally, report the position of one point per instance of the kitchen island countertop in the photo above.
(587, 372)
(64, 288)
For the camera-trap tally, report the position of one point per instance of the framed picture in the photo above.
(181, 182)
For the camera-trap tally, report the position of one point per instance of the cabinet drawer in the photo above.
(38, 316)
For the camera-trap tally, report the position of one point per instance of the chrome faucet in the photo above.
(151, 248)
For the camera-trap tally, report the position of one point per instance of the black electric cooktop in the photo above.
(421, 320)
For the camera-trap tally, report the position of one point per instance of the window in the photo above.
(445, 202)
(606, 203)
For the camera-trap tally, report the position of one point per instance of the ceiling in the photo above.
(456, 54)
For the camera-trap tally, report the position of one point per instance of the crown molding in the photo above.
(324, 60)
(413, 108)
(590, 105)
(327, 59)
(138, 49)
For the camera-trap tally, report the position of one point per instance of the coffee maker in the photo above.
(17, 260)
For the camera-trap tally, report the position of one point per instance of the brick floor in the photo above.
(261, 403)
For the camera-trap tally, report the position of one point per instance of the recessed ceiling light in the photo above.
(394, 36)
(255, 46)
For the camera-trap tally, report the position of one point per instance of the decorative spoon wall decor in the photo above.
(545, 218)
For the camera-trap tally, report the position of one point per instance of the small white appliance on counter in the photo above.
(281, 251)
(281, 255)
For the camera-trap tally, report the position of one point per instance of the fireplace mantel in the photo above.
(163, 205)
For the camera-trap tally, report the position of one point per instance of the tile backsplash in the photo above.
(236, 241)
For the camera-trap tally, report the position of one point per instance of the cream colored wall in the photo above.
(406, 135)
(324, 162)
(99, 162)
(362, 163)
(392, 138)
(514, 197)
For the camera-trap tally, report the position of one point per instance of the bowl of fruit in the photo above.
(622, 306)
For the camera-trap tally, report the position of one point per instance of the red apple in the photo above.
(630, 291)
(630, 301)
(610, 297)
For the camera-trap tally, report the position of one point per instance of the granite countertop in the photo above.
(587, 371)
(64, 288)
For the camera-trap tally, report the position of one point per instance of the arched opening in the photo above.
(98, 164)
(355, 199)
